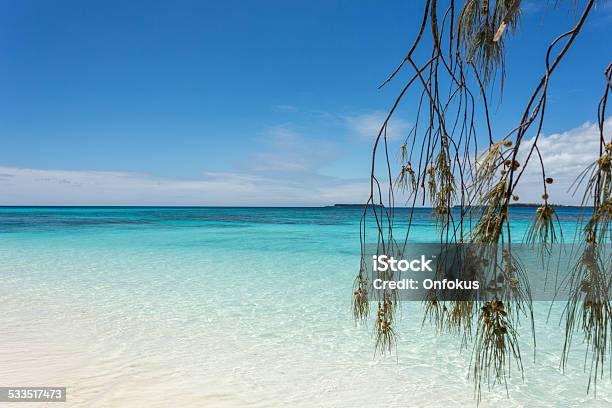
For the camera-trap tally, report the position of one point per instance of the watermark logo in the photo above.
(384, 263)
(476, 272)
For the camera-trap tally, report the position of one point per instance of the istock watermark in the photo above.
(388, 273)
(383, 263)
(474, 272)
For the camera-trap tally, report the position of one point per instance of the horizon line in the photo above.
(338, 206)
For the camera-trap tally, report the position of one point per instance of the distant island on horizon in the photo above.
(354, 205)
(515, 205)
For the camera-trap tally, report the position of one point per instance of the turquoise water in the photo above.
(234, 307)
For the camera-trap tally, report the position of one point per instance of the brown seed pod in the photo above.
(515, 198)
(507, 162)
(545, 196)
(605, 162)
(549, 180)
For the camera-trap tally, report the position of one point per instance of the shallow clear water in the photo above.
(234, 307)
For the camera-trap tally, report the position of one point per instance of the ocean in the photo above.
(207, 307)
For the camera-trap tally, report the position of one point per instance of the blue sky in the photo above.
(233, 102)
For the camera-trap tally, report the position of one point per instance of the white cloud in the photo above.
(287, 151)
(368, 125)
(22, 186)
(565, 155)
(283, 169)
(284, 172)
